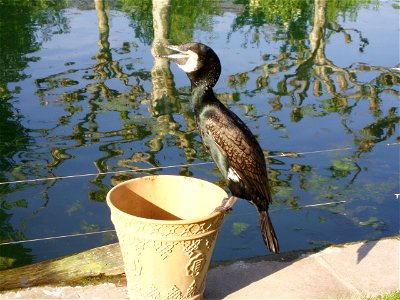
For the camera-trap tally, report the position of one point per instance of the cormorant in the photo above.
(230, 142)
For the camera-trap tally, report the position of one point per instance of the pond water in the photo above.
(83, 98)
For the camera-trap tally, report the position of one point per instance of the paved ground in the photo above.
(349, 271)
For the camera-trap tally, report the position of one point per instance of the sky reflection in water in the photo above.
(82, 93)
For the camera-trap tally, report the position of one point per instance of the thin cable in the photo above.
(56, 237)
(158, 168)
(289, 154)
(323, 204)
(171, 166)
(103, 173)
(310, 152)
(113, 230)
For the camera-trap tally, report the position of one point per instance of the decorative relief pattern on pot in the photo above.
(138, 245)
(192, 290)
(195, 265)
(211, 239)
(152, 293)
(164, 248)
(128, 243)
(154, 230)
(174, 293)
(191, 246)
(136, 267)
(192, 241)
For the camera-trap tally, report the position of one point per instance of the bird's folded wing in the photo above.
(241, 148)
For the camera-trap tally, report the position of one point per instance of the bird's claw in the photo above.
(222, 209)
(226, 204)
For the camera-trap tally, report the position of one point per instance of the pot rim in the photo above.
(209, 217)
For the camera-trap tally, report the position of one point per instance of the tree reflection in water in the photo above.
(120, 108)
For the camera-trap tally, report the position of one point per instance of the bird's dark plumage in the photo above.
(233, 147)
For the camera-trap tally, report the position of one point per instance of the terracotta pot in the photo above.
(167, 231)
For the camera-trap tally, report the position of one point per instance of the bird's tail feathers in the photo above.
(268, 232)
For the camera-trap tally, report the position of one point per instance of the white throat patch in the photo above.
(192, 64)
(232, 175)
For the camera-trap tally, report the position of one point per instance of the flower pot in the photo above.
(167, 230)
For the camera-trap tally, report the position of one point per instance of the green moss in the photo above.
(395, 295)
(239, 228)
(6, 262)
(118, 280)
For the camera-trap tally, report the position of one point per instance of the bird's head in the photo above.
(198, 61)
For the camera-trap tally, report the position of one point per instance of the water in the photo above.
(81, 93)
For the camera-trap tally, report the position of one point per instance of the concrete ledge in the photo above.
(353, 270)
(337, 272)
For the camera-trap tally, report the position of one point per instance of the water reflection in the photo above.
(26, 28)
(98, 101)
(303, 70)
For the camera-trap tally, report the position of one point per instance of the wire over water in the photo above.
(113, 230)
(296, 154)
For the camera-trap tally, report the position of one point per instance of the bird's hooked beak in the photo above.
(180, 57)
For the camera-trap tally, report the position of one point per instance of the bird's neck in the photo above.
(201, 96)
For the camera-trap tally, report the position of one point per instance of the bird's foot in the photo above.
(226, 204)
